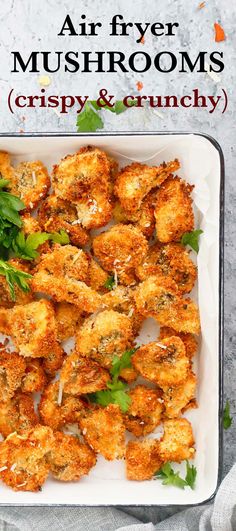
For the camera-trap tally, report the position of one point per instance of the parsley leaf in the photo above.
(227, 419)
(110, 282)
(191, 474)
(88, 120)
(60, 237)
(14, 277)
(192, 239)
(170, 477)
(121, 363)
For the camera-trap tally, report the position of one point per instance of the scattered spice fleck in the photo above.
(142, 40)
(44, 81)
(139, 85)
(21, 131)
(219, 33)
(202, 5)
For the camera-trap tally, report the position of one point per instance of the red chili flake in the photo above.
(202, 5)
(21, 131)
(139, 85)
(219, 33)
(142, 40)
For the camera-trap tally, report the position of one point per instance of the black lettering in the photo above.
(67, 26)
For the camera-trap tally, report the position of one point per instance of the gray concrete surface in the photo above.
(33, 25)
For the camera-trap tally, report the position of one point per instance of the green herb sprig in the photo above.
(170, 477)
(89, 120)
(14, 277)
(192, 239)
(227, 419)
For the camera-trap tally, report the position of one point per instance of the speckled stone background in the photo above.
(28, 25)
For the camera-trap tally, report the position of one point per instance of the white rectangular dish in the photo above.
(202, 165)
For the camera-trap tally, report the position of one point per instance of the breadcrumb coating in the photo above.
(189, 340)
(17, 413)
(103, 336)
(81, 375)
(173, 211)
(68, 320)
(181, 397)
(23, 464)
(70, 459)
(34, 379)
(142, 459)
(145, 410)
(177, 442)
(104, 431)
(135, 181)
(31, 183)
(165, 363)
(121, 249)
(5, 294)
(56, 411)
(12, 370)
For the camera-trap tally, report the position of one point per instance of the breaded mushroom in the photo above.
(172, 261)
(165, 363)
(21, 297)
(56, 214)
(6, 169)
(32, 328)
(103, 336)
(97, 277)
(31, 183)
(178, 399)
(104, 431)
(174, 211)
(30, 226)
(68, 320)
(145, 410)
(142, 459)
(12, 370)
(158, 297)
(63, 274)
(121, 249)
(80, 375)
(135, 181)
(143, 219)
(189, 340)
(177, 442)
(70, 459)
(34, 379)
(23, 464)
(17, 413)
(56, 409)
(53, 362)
(121, 299)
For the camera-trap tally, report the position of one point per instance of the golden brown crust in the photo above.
(179, 398)
(32, 328)
(172, 261)
(174, 212)
(103, 336)
(145, 410)
(6, 170)
(121, 299)
(189, 340)
(142, 459)
(21, 297)
(80, 375)
(96, 276)
(53, 362)
(70, 459)
(17, 414)
(177, 442)
(12, 370)
(104, 431)
(121, 249)
(23, 464)
(31, 183)
(34, 379)
(143, 218)
(56, 214)
(68, 320)
(135, 181)
(165, 363)
(56, 411)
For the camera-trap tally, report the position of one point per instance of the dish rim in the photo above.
(218, 148)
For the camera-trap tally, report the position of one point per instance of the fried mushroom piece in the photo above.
(173, 211)
(177, 442)
(165, 363)
(97, 277)
(181, 397)
(85, 179)
(103, 336)
(63, 274)
(53, 362)
(135, 181)
(158, 297)
(12, 370)
(17, 414)
(80, 376)
(70, 459)
(121, 249)
(104, 431)
(68, 319)
(171, 260)
(32, 328)
(30, 226)
(56, 214)
(57, 410)
(6, 170)
(143, 219)
(145, 410)
(21, 296)
(188, 339)
(142, 459)
(31, 183)
(23, 464)
(34, 379)
(121, 299)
